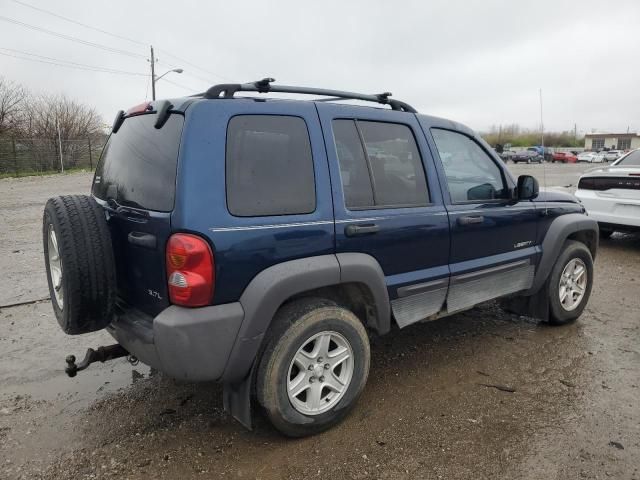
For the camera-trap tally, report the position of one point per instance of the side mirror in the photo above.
(528, 187)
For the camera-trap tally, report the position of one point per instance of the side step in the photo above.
(102, 354)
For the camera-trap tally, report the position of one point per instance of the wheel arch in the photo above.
(572, 226)
(535, 301)
(354, 280)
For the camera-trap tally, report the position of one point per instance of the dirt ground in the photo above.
(438, 403)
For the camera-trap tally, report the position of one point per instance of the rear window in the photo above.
(632, 159)
(138, 164)
(269, 167)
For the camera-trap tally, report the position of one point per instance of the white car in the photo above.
(591, 157)
(611, 194)
(612, 155)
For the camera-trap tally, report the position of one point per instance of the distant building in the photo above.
(613, 141)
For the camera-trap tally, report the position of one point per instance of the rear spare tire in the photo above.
(79, 261)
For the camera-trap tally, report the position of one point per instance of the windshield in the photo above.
(632, 159)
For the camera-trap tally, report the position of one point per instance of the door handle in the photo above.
(355, 230)
(470, 220)
(141, 239)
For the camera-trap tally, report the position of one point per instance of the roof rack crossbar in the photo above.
(227, 90)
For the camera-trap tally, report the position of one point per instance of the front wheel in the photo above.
(314, 366)
(570, 283)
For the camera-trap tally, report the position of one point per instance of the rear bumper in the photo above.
(609, 209)
(185, 343)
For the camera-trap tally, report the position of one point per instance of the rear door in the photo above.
(493, 237)
(135, 181)
(388, 204)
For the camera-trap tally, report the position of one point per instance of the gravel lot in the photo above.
(435, 405)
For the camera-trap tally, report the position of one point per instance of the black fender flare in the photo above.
(559, 231)
(273, 286)
(535, 301)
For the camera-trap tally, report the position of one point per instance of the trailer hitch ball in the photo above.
(102, 354)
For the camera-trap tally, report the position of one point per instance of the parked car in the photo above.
(545, 152)
(611, 194)
(527, 156)
(507, 155)
(564, 157)
(257, 242)
(612, 155)
(591, 157)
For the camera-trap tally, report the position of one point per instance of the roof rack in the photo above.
(227, 90)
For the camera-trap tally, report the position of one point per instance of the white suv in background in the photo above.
(611, 194)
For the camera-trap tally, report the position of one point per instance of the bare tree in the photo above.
(12, 97)
(44, 117)
(43, 114)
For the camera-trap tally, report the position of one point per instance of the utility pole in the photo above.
(575, 134)
(541, 124)
(153, 75)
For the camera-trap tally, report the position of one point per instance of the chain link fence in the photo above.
(40, 156)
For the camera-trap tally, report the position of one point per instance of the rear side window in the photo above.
(138, 164)
(380, 165)
(269, 167)
(472, 175)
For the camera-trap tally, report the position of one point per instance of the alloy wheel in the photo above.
(320, 373)
(573, 284)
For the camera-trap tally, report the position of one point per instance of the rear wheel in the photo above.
(570, 283)
(314, 366)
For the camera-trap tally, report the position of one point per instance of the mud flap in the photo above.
(236, 398)
(536, 305)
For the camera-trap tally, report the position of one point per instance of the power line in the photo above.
(186, 72)
(107, 48)
(121, 37)
(68, 64)
(73, 39)
(187, 62)
(179, 85)
(191, 64)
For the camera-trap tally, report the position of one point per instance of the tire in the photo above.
(77, 245)
(293, 327)
(528, 160)
(574, 253)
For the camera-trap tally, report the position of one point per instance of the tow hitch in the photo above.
(102, 354)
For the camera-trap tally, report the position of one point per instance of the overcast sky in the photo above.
(481, 62)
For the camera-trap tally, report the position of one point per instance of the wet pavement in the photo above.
(483, 394)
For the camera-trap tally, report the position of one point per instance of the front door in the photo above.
(493, 236)
(388, 203)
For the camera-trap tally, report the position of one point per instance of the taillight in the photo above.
(190, 270)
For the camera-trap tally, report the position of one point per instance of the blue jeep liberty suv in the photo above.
(258, 242)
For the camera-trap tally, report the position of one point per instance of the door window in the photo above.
(269, 167)
(380, 165)
(472, 175)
